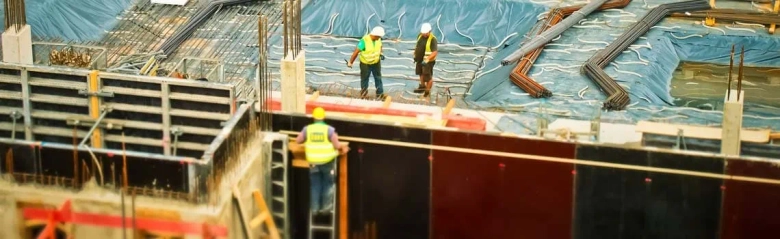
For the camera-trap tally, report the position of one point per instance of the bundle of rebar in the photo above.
(264, 82)
(291, 18)
(519, 76)
(15, 15)
(734, 15)
(554, 31)
(617, 97)
(173, 42)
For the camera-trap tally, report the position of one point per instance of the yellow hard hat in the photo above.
(318, 113)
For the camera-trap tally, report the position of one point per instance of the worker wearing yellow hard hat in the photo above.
(322, 144)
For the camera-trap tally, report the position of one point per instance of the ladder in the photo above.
(331, 226)
(276, 152)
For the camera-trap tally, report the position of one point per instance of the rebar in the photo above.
(750, 16)
(731, 69)
(264, 81)
(617, 97)
(15, 14)
(552, 32)
(291, 19)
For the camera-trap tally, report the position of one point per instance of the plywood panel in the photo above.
(750, 210)
(610, 203)
(683, 206)
(477, 196)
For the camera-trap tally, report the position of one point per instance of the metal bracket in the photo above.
(15, 116)
(176, 131)
(595, 125)
(90, 122)
(680, 140)
(98, 94)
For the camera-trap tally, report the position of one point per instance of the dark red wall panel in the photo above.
(480, 196)
(751, 210)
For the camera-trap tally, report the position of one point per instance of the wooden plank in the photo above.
(388, 101)
(314, 96)
(700, 132)
(397, 120)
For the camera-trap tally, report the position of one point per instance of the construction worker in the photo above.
(322, 144)
(425, 57)
(370, 49)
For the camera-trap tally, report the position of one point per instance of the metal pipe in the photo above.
(91, 130)
(554, 31)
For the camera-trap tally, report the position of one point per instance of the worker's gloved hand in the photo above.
(425, 62)
(382, 57)
(349, 64)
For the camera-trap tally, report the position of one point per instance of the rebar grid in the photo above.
(15, 15)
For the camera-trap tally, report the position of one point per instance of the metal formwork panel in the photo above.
(153, 112)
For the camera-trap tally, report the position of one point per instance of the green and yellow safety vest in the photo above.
(319, 149)
(427, 45)
(370, 55)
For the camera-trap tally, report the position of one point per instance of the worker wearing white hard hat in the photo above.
(425, 54)
(370, 49)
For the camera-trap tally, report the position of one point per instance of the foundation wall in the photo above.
(457, 194)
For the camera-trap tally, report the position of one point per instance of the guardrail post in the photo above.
(26, 105)
(165, 104)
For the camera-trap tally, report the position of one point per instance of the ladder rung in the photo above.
(279, 215)
(278, 183)
(277, 165)
(279, 151)
(316, 227)
(280, 199)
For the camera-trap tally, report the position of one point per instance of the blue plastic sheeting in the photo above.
(72, 20)
(486, 22)
(645, 70)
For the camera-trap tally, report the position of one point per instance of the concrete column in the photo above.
(17, 46)
(293, 83)
(730, 143)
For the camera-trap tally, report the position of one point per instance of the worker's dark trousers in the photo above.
(367, 70)
(321, 178)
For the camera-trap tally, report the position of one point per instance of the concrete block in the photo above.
(294, 83)
(732, 123)
(17, 46)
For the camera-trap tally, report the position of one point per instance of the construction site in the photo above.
(546, 119)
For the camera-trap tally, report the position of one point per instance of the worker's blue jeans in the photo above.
(367, 70)
(321, 178)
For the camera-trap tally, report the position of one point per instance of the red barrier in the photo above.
(454, 121)
(66, 215)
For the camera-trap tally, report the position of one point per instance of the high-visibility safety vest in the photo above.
(427, 45)
(319, 149)
(370, 55)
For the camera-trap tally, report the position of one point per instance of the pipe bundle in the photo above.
(734, 15)
(199, 18)
(617, 97)
(554, 31)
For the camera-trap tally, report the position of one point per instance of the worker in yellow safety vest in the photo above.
(322, 147)
(370, 49)
(425, 53)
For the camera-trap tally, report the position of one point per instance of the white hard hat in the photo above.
(378, 31)
(426, 28)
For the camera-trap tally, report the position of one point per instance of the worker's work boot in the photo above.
(420, 89)
(381, 96)
(363, 94)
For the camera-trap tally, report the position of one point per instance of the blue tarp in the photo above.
(72, 20)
